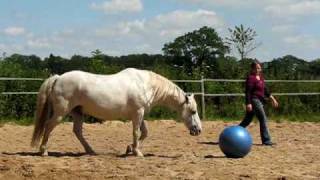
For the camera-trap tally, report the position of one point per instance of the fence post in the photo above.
(202, 99)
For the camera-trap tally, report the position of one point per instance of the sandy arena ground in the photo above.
(170, 153)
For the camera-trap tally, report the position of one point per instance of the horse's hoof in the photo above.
(138, 153)
(43, 151)
(129, 149)
(44, 154)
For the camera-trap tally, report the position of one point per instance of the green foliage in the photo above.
(195, 49)
(196, 54)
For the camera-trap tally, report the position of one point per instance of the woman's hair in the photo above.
(254, 64)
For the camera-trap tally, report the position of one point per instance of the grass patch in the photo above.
(275, 118)
(27, 121)
(297, 118)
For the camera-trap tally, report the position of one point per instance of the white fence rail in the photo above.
(203, 94)
(201, 81)
(20, 79)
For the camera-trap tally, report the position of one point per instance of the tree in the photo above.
(4, 55)
(55, 64)
(243, 40)
(315, 69)
(96, 63)
(194, 49)
(96, 53)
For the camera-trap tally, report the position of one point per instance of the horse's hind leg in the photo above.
(59, 110)
(49, 126)
(77, 129)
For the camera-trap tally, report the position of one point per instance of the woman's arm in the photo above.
(267, 93)
(274, 102)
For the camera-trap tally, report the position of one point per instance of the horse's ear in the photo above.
(187, 99)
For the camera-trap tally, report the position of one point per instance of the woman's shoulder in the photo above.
(251, 77)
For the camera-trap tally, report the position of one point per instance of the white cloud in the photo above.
(283, 28)
(119, 6)
(285, 9)
(64, 43)
(14, 31)
(151, 34)
(132, 27)
(180, 22)
(303, 41)
(122, 29)
(2, 47)
(39, 43)
(170, 24)
(218, 2)
(294, 9)
(239, 3)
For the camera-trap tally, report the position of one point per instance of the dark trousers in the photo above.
(257, 109)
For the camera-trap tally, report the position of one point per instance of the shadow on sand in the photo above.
(209, 143)
(79, 154)
(53, 154)
(150, 155)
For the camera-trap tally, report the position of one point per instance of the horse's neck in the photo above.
(169, 95)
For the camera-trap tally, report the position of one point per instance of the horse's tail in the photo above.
(44, 109)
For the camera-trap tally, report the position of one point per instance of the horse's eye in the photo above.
(193, 112)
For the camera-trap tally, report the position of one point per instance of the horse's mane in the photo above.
(165, 89)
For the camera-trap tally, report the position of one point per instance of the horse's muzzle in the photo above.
(195, 131)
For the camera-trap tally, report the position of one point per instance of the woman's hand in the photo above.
(274, 102)
(249, 107)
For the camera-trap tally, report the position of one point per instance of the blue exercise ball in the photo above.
(235, 141)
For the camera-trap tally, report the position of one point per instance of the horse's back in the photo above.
(128, 73)
(105, 95)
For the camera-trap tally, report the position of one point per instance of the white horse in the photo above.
(127, 94)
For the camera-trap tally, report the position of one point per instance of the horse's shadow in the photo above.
(79, 154)
(150, 155)
(50, 154)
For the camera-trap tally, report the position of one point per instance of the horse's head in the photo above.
(190, 115)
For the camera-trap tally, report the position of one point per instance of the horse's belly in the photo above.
(104, 113)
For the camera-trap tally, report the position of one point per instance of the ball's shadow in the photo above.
(211, 143)
(213, 156)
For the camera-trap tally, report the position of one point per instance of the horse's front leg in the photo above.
(144, 131)
(136, 123)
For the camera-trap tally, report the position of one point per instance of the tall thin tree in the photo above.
(243, 40)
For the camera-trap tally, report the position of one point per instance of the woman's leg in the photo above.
(261, 115)
(247, 119)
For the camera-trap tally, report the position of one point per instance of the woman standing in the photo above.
(255, 99)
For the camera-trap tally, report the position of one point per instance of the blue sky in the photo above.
(121, 27)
